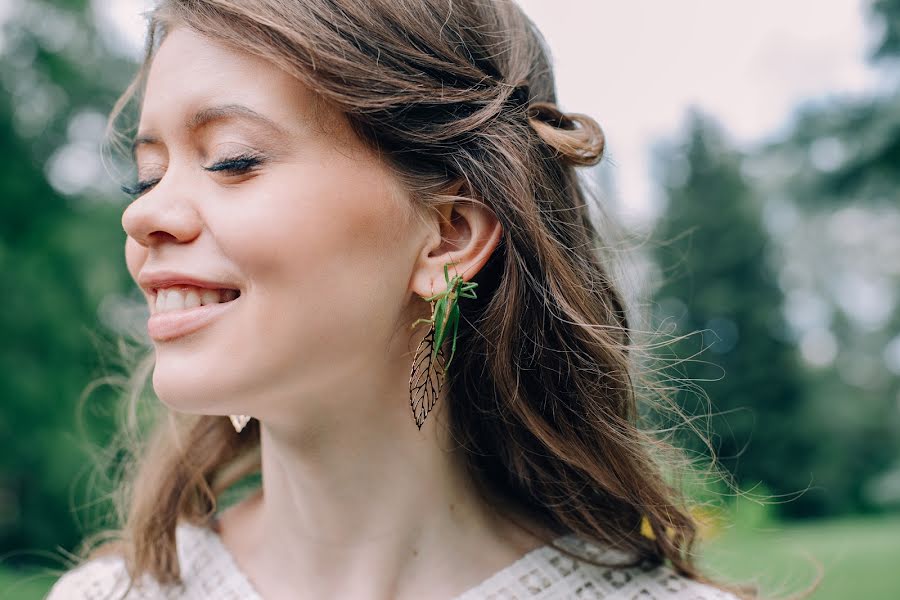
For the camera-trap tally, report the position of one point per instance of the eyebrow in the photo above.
(209, 114)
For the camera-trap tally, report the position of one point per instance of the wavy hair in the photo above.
(545, 396)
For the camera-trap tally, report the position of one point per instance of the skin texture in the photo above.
(322, 241)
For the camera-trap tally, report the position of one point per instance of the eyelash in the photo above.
(237, 165)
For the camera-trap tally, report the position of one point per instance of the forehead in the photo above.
(190, 74)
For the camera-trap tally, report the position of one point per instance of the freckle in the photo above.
(451, 507)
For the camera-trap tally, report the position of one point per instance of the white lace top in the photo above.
(210, 573)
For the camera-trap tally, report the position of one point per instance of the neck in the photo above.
(380, 510)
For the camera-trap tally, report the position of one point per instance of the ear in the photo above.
(467, 233)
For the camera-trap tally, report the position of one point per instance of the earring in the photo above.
(426, 379)
(239, 421)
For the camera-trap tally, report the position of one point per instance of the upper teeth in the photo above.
(182, 297)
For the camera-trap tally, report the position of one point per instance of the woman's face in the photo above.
(313, 231)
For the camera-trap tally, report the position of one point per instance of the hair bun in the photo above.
(577, 137)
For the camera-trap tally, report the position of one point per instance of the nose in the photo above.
(162, 214)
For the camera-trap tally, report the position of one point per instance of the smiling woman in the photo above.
(308, 174)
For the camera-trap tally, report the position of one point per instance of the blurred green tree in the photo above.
(888, 12)
(716, 279)
(60, 255)
(832, 186)
(826, 193)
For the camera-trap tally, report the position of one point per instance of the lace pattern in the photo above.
(208, 571)
(547, 574)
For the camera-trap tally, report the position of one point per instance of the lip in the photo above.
(177, 323)
(151, 281)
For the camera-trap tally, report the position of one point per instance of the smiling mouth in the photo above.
(180, 298)
(179, 317)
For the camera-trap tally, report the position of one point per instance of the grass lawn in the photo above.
(860, 557)
(24, 585)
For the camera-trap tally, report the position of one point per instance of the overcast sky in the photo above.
(636, 67)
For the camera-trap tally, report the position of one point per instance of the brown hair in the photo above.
(546, 388)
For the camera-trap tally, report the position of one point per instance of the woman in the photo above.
(309, 172)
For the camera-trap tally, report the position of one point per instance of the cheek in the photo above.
(323, 249)
(320, 223)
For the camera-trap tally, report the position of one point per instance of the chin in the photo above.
(188, 386)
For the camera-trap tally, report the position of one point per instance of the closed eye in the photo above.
(139, 188)
(237, 165)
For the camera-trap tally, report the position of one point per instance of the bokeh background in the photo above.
(754, 154)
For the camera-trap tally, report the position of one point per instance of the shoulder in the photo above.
(97, 579)
(107, 578)
(582, 579)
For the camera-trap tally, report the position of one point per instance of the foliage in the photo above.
(787, 248)
(715, 278)
(60, 256)
(888, 13)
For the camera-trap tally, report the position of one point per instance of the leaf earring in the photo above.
(426, 379)
(427, 376)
